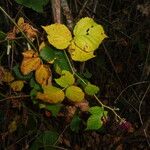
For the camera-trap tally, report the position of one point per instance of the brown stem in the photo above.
(56, 8)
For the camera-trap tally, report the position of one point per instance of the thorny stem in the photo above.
(29, 41)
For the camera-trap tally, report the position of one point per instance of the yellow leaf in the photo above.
(43, 75)
(7, 76)
(87, 26)
(58, 69)
(12, 126)
(58, 35)
(20, 21)
(66, 79)
(51, 94)
(17, 85)
(42, 45)
(83, 25)
(30, 62)
(88, 34)
(78, 54)
(75, 94)
(86, 43)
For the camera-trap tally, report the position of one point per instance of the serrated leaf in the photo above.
(36, 5)
(51, 94)
(47, 53)
(88, 37)
(75, 94)
(66, 79)
(96, 110)
(94, 122)
(30, 62)
(88, 34)
(43, 75)
(91, 89)
(75, 124)
(17, 85)
(58, 35)
(77, 54)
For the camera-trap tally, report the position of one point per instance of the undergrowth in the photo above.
(54, 99)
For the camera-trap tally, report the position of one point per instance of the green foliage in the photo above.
(95, 122)
(66, 79)
(45, 140)
(74, 94)
(75, 124)
(47, 53)
(2, 35)
(61, 62)
(19, 75)
(96, 110)
(36, 5)
(91, 89)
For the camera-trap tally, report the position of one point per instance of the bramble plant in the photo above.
(36, 67)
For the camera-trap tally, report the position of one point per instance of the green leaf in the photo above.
(19, 75)
(36, 5)
(55, 109)
(2, 35)
(35, 85)
(75, 124)
(96, 110)
(91, 89)
(75, 94)
(47, 53)
(94, 122)
(61, 61)
(33, 94)
(66, 79)
(45, 141)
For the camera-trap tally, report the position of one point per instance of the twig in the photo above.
(140, 117)
(29, 41)
(109, 57)
(56, 8)
(67, 13)
(14, 97)
(137, 83)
